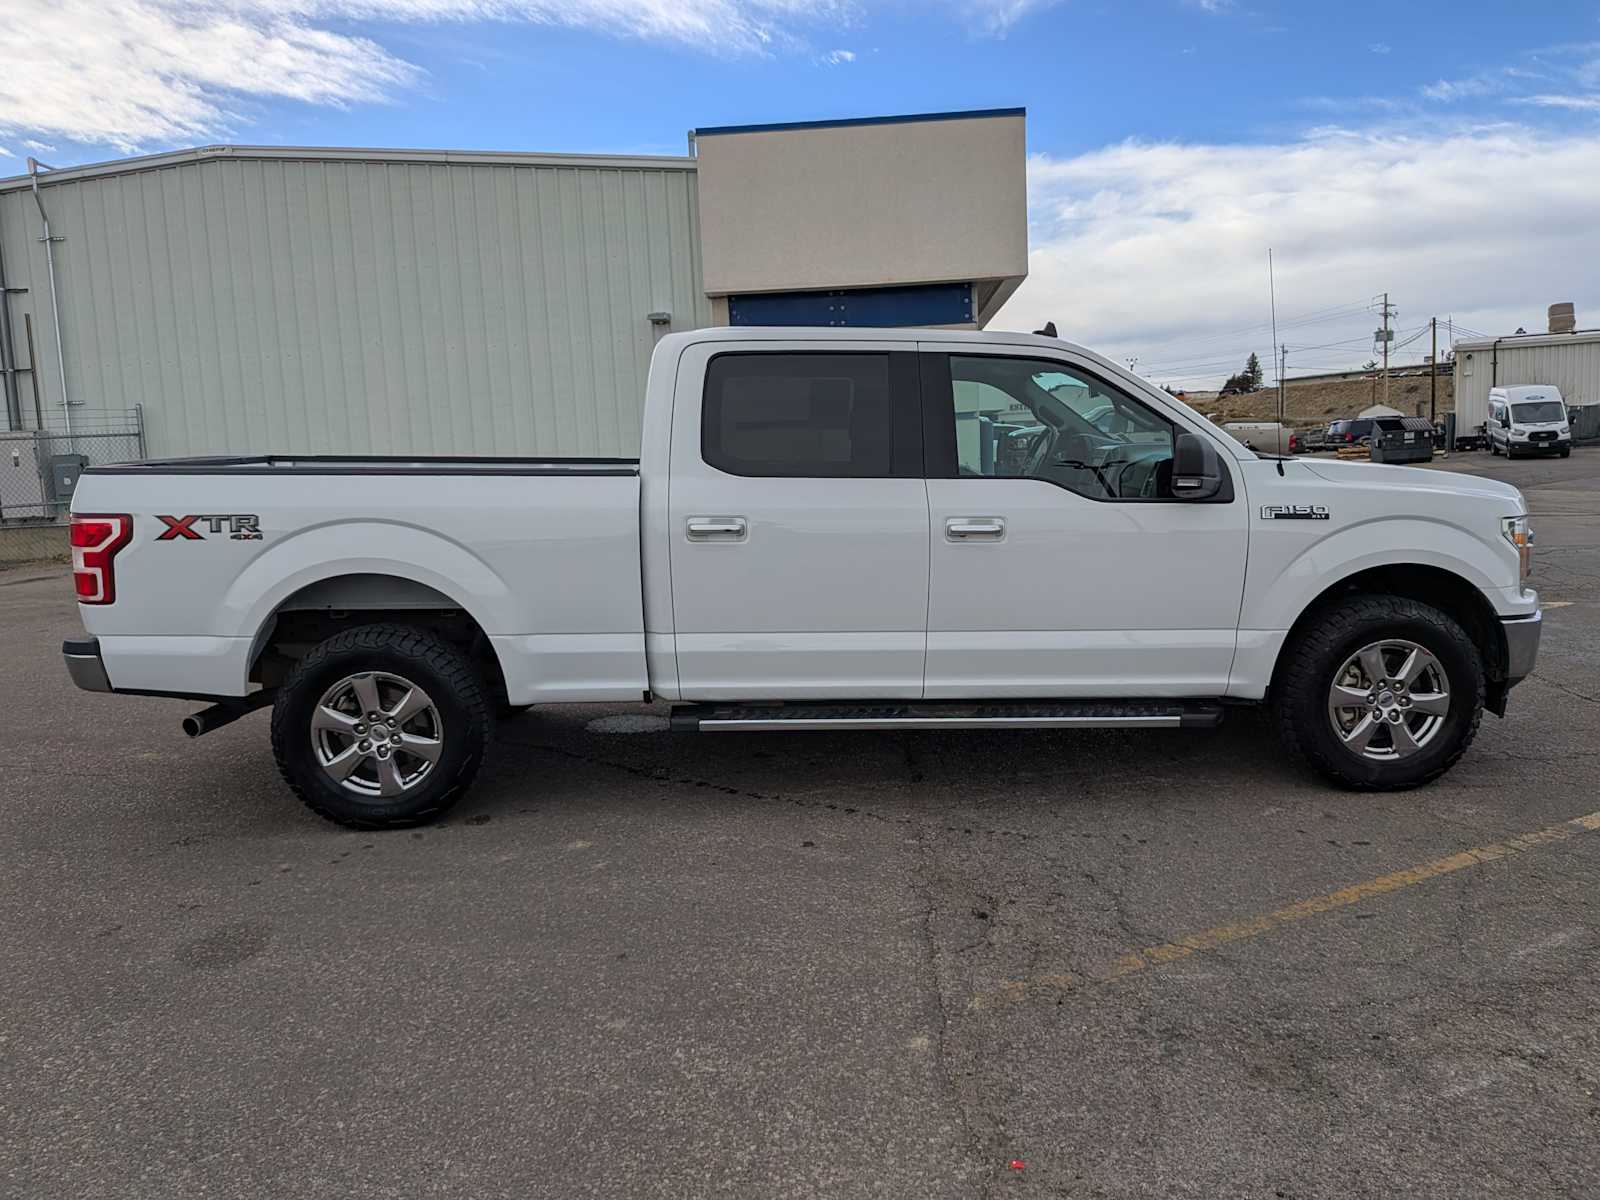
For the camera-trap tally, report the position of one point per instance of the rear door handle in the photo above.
(974, 529)
(717, 529)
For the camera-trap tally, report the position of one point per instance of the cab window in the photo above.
(1004, 417)
(798, 415)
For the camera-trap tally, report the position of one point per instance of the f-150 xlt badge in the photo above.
(240, 527)
(1293, 512)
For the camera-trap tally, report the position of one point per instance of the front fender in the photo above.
(1277, 593)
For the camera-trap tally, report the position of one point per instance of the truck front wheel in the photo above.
(1379, 692)
(381, 727)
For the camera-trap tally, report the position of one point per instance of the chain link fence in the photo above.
(39, 469)
(1585, 423)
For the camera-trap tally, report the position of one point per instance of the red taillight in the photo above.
(1294, 443)
(96, 538)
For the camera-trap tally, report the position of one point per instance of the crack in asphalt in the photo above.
(923, 877)
(656, 775)
(974, 1141)
(1561, 687)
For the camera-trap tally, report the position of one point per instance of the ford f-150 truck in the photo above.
(827, 529)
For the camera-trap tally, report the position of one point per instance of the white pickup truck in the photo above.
(828, 529)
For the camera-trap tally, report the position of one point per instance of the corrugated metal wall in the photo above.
(317, 306)
(1573, 366)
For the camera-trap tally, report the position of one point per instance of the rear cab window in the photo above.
(811, 415)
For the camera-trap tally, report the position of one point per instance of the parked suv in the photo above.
(1528, 420)
(1359, 429)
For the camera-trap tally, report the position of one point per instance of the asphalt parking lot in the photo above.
(637, 964)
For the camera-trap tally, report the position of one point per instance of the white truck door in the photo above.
(798, 521)
(1061, 566)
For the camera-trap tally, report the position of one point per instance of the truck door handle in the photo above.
(974, 529)
(721, 529)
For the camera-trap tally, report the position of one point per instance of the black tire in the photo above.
(1311, 660)
(1567, 453)
(441, 670)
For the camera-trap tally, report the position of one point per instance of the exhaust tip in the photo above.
(194, 726)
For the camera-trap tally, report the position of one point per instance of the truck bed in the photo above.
(541, 553)
(370, 464)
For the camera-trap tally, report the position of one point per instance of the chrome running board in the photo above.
(1043, 714)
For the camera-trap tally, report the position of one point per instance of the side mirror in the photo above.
(1196, 469)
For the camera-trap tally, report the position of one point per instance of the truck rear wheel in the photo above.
(1379, 693)
(381, 727)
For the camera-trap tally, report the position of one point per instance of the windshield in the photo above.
(1538, 412)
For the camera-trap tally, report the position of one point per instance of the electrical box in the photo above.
(64, 472)
(22, 495)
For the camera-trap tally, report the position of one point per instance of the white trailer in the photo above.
(1568, 361)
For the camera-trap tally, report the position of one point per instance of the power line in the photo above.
(1315, 317)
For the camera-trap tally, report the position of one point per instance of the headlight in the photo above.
(1519, 533)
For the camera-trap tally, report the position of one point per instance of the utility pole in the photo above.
(1433, 395)
(1283, 365)
(1386, 348)
(1272, 292)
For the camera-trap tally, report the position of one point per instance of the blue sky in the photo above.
(1420, 148)
(1089, 74)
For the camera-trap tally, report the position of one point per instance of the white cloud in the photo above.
(163, 71)
(834, 58)
(139, 73)
(146, 70)
(1159, 250)
(996, 17)
(1380, 48)
(1575, 103)
(1449, 90)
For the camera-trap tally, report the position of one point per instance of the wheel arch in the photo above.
(1451, 593)
(341, 600)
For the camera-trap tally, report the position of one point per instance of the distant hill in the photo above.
(1316, 401)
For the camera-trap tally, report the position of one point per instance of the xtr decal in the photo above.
(1294, 512)
(240, 527)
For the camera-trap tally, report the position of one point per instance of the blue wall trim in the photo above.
(905, 119)
(875, 308)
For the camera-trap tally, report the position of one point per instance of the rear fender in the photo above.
(403, 551)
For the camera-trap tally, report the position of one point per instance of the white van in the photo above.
(1531, 419)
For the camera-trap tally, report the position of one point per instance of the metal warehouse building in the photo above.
(250, 299)
(1568, 361)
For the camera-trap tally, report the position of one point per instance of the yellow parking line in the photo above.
(1221, 935)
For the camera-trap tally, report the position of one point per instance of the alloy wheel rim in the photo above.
(377, 735)
(1389, 700)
